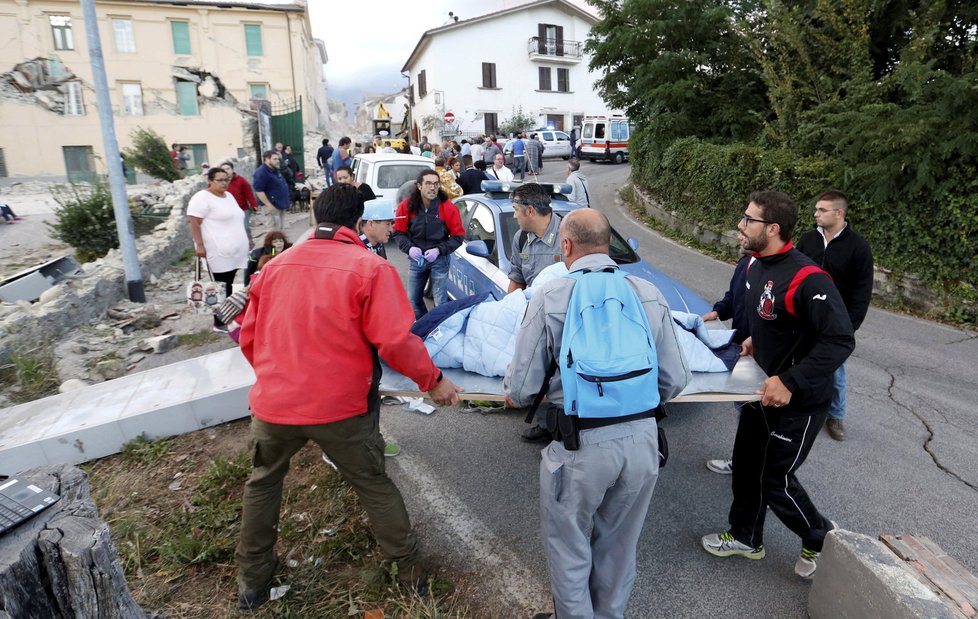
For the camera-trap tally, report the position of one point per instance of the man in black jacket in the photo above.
(799, 335)
(845, 256)
(471, 179)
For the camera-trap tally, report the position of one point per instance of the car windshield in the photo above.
(621, 252)
(393, 175)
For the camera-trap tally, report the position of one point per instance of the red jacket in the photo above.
(315, 321)
(240, 188)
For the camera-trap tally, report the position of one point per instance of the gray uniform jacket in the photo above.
(543, 325)
(536, 254)
(580, 192)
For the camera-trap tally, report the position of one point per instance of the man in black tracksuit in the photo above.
(799, 334)
(847, 258)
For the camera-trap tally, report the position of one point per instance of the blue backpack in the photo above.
(608, 364)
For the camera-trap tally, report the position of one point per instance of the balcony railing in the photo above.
(555, 49)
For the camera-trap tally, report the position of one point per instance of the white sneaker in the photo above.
(807, 563)
(329, 462)
(723, 467)
(724, 545)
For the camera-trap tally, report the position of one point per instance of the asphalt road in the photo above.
(907, 466)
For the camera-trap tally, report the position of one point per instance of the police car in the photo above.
(482, 264)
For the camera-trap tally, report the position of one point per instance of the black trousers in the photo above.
(227, 278)
(768, 450)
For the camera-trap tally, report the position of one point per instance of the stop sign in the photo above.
(449, 118)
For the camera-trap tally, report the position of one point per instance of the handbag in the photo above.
(204, 296)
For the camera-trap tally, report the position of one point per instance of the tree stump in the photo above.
(61, 562)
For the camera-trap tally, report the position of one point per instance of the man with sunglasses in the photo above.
(845, 256)
(799, 334)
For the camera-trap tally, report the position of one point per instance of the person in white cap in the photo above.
(376, 225)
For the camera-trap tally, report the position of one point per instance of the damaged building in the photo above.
(193, 71)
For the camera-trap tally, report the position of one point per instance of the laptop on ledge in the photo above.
(20, 501)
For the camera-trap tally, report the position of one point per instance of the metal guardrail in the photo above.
(557, 48)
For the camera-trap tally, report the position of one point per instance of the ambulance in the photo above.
(605, 137)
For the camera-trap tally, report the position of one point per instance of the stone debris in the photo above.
(162, 343)
(110, 368)
(72, 384)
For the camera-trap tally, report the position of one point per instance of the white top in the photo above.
(222, 229)
(503, 173)
(477, 151)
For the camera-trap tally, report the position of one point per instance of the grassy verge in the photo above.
(32, 373)
(173, 507)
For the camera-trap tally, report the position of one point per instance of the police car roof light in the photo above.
(508, 186)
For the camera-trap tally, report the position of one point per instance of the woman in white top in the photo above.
(217, 227)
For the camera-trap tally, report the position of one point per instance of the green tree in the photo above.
(150, 154)
(84, 219)
(682, 67)
(518, 121)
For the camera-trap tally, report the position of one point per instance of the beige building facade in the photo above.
(188, 71)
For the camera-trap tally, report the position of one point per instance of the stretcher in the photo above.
(738, 385)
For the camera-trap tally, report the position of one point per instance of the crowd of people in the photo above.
(794, 309)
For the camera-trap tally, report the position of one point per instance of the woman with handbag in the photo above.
(217, 226)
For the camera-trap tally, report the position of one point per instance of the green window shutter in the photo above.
(187, 98)
(253, 39)
(181, 37)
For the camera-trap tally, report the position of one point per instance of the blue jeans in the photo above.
(837, 410)
(519, 167)
(418, 279)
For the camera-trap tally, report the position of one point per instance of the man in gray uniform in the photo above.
(536, 245)
(604, 486)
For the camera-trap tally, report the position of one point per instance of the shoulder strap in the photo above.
(587, 198)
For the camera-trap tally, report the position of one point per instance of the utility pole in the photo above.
(117, 183)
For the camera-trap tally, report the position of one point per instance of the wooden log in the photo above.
(61, 563)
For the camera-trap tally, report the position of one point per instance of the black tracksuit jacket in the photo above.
(799, 327)
(849, 260)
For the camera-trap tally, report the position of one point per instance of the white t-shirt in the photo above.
(503, 173)
(222, 229)
(476, 151)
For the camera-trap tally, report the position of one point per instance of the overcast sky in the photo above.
(368, 41)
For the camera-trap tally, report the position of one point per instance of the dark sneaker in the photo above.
(536, 434)
(836, 429)
(724, 545)
(249, 602)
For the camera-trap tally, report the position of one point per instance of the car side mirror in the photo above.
(477, 248)
(633, 243)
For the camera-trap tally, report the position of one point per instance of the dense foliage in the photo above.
(150, 154)
(875, 97)
(85, 220)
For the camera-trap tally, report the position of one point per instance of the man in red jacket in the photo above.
(244, 195)
(318, 320)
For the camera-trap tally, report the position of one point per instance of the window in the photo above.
(422, 85)
(187, 98)
(488, 74)
(181, 37)
(550, 39)
(125, 43)
(253, 39)
(61, 29)
(55, 68)
(482, 227)
(545, 78)
(492, 123)
(74, 105)
(258, 91)
(615, 131)
(132, 99)
(79, 162)
(563, 80)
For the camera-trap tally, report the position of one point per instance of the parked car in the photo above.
(555, 144)
(482, 264)
(386, 172)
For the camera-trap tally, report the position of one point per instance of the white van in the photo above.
(605, 137)
(386, 172)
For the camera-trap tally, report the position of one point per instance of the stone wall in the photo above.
(888, 287)
(102, 283)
